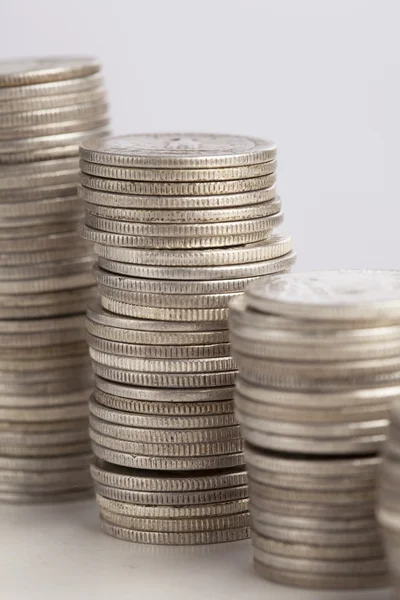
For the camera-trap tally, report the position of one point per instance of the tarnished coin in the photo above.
(29, 71)
(174, 150)
(207, 188)
(238, 255)
(176, 539)
(366, 296)
(179, 216)
(169, 463)
(189, 175)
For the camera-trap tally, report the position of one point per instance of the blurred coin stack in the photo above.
(388, 506)
(47, 108)
(181, 224)
(319, 364)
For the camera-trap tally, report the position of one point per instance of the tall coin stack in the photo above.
(47, 108)
(388, 506)
(319, 364)
(181, 224)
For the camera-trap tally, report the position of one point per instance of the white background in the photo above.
(319, 77)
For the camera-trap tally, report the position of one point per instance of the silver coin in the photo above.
(48, 413)
(21, 138)
(168, 275)
(39, 174)
(318, 581)
(165, 395)
(44, 311)
(12, 365)
(150, 481)
(171, 243)
(42, 401)
(181, 525)
(204, 365)
(43, 242)
(48, 438)
(131, 201)
(140, 409)
(173, 512)
(38, 352)
(311, 524)
(36, 452)
(30, 71)
(161, 286)
(185, 230)
(40, 208)
(54, 325)
(208, 188)
(261, 251)
(80, 381)
(45, 479)
(164, 300)
(58, 463)
(316, 552)
(172, 150)
(16, 238)
(296, 508)
(176, 539)
(26, 497)
(179, 422)
(343, 497)
(189, 175)
(19, 259)
(335, 295)
(369, 567)
(43, 102)
(169, 463)
(164, 436)
(165, 450)
(15, 274)
(47, 147)
(53, 88)
(165, 314)
(158, 351)
(47, 284)
(359, 399)
(170, 422)
(36, 117)
(176, 216)
(189, 499)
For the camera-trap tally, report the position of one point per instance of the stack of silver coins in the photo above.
(388, 505)
(319, 364)
(181, 224)
(47, 108)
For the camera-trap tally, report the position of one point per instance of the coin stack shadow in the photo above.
(388, 505)
(181, 224)
(47, 108)
(317, 372)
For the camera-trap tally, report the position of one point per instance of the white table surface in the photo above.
(59, 552)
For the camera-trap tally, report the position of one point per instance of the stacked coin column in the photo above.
(47, 108)
(318, 357)
(388, 506)
(181, 224)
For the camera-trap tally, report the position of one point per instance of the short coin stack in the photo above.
(181, 224)
(388, 508)
(319, 363)
(47, 107)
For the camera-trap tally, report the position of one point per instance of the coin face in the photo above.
(170, 150)
(334, 295)
(40, 70)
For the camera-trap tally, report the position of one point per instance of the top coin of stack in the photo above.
(47, 108)
(181, 224)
